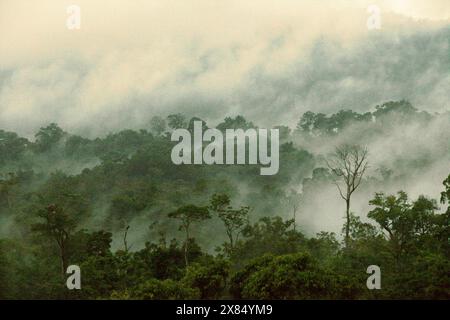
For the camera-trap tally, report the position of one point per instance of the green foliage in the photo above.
(64, 198)
(177, 121)
(293, 276)
(445, 195)
(324, 247)
(209, 277)
(234, 220)
(163, 261)
(48, 137)
(389, 113)
(4, 286)
(190, 213)
(12, 147)
(100, 276)
(58, 226)
(320, 124)
(268, 235)
(169, 289)
(239, 122)
(158, 125)
(409, 226)
(187, 215)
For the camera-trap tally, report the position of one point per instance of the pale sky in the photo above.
(134, 59)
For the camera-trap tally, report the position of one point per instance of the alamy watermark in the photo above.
(74, 280)
(374, 280)
(73, 21)
(227, 149)
(374, 20)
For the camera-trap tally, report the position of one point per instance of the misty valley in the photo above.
(354, 192)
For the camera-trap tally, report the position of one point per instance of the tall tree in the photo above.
(187, 215)
(57, 225)
(348, 165)
(445, 195)
(293, 199)
(234, 220)
(6, 186)
(157, 125)
(176, 121)
(48, 137)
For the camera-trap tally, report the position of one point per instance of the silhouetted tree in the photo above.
(187, 215)
(348, 165)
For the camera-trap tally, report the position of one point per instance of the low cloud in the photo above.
(268, 61)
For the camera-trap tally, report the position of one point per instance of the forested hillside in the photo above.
(141, 227)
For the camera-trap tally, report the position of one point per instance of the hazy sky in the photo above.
(268, 60)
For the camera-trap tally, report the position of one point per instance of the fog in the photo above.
(269, 61)
(417, 154)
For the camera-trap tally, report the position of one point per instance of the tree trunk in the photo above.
(230, 237)
(186, 247)
(125, 244)
(63, 259)
(8, 200)
(295, 212)
(347, 225)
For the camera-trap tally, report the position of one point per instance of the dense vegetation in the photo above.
(141, 227)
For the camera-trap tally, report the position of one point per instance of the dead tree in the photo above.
(348, 165)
